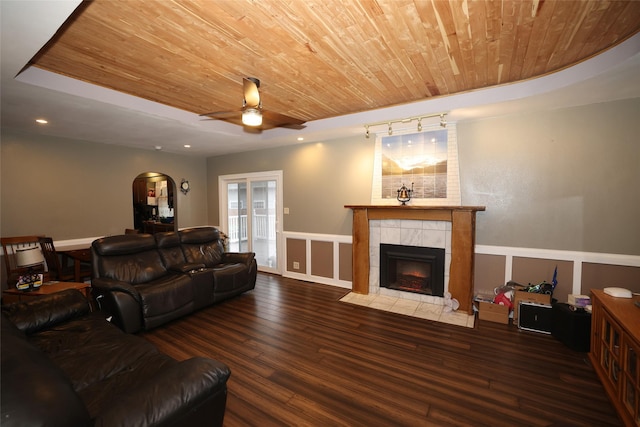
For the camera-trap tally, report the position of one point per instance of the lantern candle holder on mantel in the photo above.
(404, 194)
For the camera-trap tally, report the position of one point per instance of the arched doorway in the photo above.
(154, 203)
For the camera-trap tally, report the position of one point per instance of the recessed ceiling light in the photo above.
(158, 147)
(42, 121)
(300, 138)
(187, 146)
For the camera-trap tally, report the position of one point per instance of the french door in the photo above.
(250, 214)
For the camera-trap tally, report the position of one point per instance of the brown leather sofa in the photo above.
(146, 280)
(62, 365)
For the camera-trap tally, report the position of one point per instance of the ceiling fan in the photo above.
(252, 115)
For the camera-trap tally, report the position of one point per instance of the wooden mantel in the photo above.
(463, 237)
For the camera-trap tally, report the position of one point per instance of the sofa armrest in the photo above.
(121, 301)
(104, 285)
(44, 312)
(238, 258)
(172, 396)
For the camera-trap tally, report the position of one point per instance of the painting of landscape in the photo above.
(417, 158)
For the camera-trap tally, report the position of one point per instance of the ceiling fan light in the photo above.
(251, 117)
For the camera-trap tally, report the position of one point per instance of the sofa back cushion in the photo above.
(202, 246)
(131, 258)
(168, 244)
(42, 313)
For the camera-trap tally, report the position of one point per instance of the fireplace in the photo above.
(412, 269)
(459, 255)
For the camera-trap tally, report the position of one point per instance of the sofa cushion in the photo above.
(165, 295)
(170, 250)
(131, 258)
(92, 338)
(209, 254)
(202, 245)
(227, 277)
(194, 383)
(199, 235)
(83, 371)
(125, 244)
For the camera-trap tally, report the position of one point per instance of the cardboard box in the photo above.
(493, 312)
(528, 297)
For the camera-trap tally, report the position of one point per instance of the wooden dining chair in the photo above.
(10, 245)
(57, 270)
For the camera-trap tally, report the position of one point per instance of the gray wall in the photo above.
(319, 179)
(567, 179)
(72, 190)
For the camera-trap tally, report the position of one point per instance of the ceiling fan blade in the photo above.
(250, 87)
(222, 114)
(280, 120)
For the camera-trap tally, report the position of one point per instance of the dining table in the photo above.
(79, 256)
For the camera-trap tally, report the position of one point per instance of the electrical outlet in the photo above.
(296, 265)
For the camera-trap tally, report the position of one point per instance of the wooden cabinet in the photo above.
(615, 348)
(140, 191)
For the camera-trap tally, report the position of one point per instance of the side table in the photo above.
(14, 295)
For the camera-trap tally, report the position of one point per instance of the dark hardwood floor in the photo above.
(299, 357)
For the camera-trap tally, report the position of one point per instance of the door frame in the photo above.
(247, 178)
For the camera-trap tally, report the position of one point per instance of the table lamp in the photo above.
(29, 258)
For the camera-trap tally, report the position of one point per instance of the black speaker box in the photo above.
(571, 327)
(534, 317)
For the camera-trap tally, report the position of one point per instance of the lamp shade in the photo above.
(252, 117)
(29, 257)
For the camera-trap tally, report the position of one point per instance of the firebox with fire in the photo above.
(412, 269)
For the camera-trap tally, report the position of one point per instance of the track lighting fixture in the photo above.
(443, 123)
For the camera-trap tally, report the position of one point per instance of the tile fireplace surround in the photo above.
(448, 227)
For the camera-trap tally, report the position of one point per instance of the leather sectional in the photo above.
(145, 280)
(63, 365)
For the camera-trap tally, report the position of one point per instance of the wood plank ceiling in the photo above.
(326, 58)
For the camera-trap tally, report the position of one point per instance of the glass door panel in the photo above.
(237, 217)
(263, 222)
(250, 206)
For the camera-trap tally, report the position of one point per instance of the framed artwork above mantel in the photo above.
(425, 160)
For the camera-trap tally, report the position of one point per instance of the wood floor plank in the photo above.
(300, 357)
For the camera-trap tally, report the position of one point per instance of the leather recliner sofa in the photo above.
(63, 365)
(146, 280)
